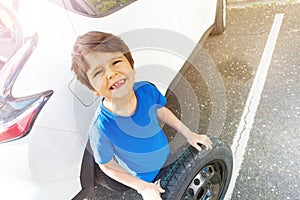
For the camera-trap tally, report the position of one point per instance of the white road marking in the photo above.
(243, 132)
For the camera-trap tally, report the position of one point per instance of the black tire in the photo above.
(220, 20)
(198, 175)
(105, 181)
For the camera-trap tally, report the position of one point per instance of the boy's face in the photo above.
(110, 74)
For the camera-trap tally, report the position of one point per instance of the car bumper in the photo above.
(44, 165)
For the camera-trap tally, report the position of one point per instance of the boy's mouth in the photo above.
(117, 84)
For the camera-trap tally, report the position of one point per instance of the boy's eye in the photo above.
(98, 73)
(116, 62)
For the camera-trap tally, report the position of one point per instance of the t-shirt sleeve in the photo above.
(161, 99)
(102, 148)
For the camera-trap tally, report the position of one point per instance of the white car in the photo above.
(45, 113)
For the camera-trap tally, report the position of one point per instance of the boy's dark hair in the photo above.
(98, 42)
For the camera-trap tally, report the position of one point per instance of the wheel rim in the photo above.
(208, 183)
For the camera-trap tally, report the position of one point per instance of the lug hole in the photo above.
(190, 192)
(197, 181)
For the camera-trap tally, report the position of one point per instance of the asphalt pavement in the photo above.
(254, 3)
(271, 162)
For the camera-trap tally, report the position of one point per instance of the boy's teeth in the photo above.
(117, 84)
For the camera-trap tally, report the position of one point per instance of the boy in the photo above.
(127, 141)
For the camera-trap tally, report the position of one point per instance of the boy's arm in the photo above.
(116, 172)
(165, 115)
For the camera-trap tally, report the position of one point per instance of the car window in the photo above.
(96, 8)
(106, 6)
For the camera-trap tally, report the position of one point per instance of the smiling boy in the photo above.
(127, 142)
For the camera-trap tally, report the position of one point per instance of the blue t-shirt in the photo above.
(137, 142)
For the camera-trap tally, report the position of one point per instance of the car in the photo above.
(45, 112)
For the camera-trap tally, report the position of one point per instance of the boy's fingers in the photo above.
(208, 145)
(157, 182)
(158, 186)
(161, 190)
(197, 140)
(197, 146)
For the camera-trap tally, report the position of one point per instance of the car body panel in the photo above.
(46, 163)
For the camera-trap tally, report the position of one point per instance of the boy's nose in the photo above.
(111, 75)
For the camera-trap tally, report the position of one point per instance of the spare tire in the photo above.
(198, 175)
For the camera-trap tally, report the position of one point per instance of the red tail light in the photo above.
(17, 115)
(20, 123)
(17, 127)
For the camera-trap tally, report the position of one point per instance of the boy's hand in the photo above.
(195, 139)
(152, 191)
